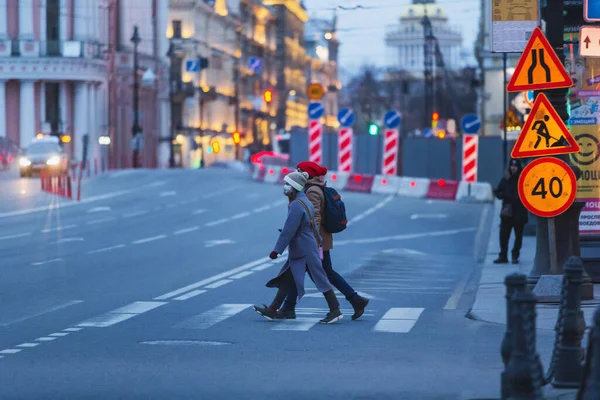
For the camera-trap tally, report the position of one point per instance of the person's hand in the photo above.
(273, 255)
(279, 230)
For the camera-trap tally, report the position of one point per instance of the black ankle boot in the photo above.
(359, 304)
(334, 313)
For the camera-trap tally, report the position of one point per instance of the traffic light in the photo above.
(373, 129)
(441, 134)
(268, 96)
(216, 147)
(435, 117)
(237, 137)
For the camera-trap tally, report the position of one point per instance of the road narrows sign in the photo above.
(539, 67)
(547, 187)
(544, 133)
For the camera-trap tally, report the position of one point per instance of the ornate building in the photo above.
(406, 39)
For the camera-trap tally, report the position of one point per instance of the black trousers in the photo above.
(507, 225)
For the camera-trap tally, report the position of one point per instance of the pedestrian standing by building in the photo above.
(300, 234)
(513, 215)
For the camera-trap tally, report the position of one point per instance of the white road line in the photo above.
(298, 324)
(49, 310)
(219, 192)
(212, 317)
(20, 235)
(100, 220)
(404, 237)
(59, 334)
(150, 239)
(135, 214)
(45, 339)
(428, 216)
(121, 314)
(191, 294)
(398, 320)
(370, 210)
(102, 250)
(217, 222)
(263, 267)
(240, 215)
(67, 240)
(28, 345)
(198, 212)
(98, 209)
(212, 279)
(58, 228)
(186, 230)
(168, 193)
(261, 209)
(218, 284)
(242, 275)
(36, 264)
(72, 329)
(10, 351)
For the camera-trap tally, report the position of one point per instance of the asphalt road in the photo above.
(145, 288)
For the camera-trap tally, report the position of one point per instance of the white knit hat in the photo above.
(296, 179)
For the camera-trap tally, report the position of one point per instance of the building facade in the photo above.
(322, 47)
(406, 39)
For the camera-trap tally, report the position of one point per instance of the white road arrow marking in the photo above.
(428, 216)
(213, 243)
(98, 209)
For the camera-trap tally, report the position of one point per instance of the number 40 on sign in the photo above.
(547, 187)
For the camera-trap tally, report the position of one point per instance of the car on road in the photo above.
(43, 154)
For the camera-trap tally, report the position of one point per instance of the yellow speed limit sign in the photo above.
(547, 187)
(315, 91)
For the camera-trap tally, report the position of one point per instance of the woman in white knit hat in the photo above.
(302, 236)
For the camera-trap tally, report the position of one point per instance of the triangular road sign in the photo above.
(544, 133)
(539, 68)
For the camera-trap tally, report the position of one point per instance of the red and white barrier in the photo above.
(315, 130)
(390, 152)
(469, 161)
(439, 189)
(59, 184)
(345, 150)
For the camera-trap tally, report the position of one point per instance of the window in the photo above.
(53, 27)
(176, 23)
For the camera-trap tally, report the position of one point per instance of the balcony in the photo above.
(51, 48)
(181, 90)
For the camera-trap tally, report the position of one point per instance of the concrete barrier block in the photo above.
(479, 192)
(284, 171)
(337, 180)
(384, 184)
(442, 189)
(259, 173)
(272, 173)
(413, 187)
(359, 183)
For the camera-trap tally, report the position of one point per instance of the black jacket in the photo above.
(508, 192)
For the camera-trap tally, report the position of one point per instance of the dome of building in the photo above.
(418, 11)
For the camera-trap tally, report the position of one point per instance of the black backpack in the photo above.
(334, 215)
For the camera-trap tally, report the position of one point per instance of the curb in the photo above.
(420, 188)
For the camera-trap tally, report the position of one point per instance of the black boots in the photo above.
(334, 313)
(359, 304)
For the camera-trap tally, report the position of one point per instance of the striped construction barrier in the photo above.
(439, 189)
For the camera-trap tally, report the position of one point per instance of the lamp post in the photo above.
(171, 55)
(136, 131)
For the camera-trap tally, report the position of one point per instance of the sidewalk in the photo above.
(490, 304)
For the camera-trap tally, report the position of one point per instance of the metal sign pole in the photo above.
(552, 245)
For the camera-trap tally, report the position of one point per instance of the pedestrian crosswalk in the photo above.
(394, 320)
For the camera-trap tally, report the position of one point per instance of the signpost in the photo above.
(539, 67)
(315, 110)
(544, 133)
(469, 159)
(589, 41)
(315, 130)
(346, 118)
(192, 66)
(470, 124)
(255, 64)
(591, 10)
(391, 141)
(315, 91)
(512, 24)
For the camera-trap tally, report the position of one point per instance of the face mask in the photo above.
(287, 189)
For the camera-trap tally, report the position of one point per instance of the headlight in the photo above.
(24, 162)
(54, 160)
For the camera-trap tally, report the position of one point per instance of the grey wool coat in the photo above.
(303, 251)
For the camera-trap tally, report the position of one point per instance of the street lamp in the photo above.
(136, 130)
(171, 54)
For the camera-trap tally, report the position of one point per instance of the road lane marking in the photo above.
(213, 243)
(198, 212)
(222, 191)
(67, 240)
(191, 294)
(72, 329)
(20, 235)
(121, 314)
(46, 339)
(168, 193)
(240, 215)
(261, 209)
(217, 222)
(58, 228)
(398, 320)
(98, 209)
(211, 279)
(242, 275)
(36, 264)
(10, 351)
(28, 345)
(263, 267)
(404, 236)
(213, 316)
(102, 250)
(370, 210)
(186, 230)
(58, 334)
(135, 214)
(49, 310)
(218, 284)
(429, 216)
(150, 239)
(298, 324)
(100, 220)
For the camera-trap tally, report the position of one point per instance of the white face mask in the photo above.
(287, 189)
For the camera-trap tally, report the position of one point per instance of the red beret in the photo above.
(312, 168)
